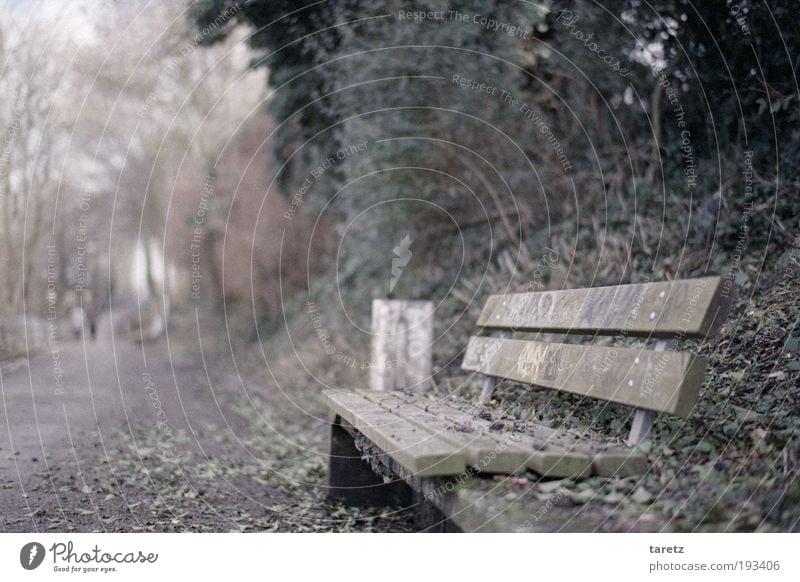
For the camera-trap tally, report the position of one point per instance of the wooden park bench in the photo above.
(396, 447)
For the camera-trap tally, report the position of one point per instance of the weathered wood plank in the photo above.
(607, 459)
(484, 453)
(419, 451)
(660, 381)
(550, 457)
(402, 338)
(685, 308)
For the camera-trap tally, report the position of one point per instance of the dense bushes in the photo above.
(477, 130)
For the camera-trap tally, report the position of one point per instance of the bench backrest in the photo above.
(660, 381)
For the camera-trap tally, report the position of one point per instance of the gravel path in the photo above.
(123, 437)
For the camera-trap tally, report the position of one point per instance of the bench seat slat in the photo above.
(659, 381)
(607, 459)
(685, 308)
(548, 457)
(417, 450)
(484, 453)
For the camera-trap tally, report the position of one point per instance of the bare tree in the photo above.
(32, 149)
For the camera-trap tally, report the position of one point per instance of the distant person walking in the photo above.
(76, 317)
(92, 315)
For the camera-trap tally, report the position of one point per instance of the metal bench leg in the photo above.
(643, 419)
(488, 389)
(351, 479)
(642, 423)
(490, 383)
